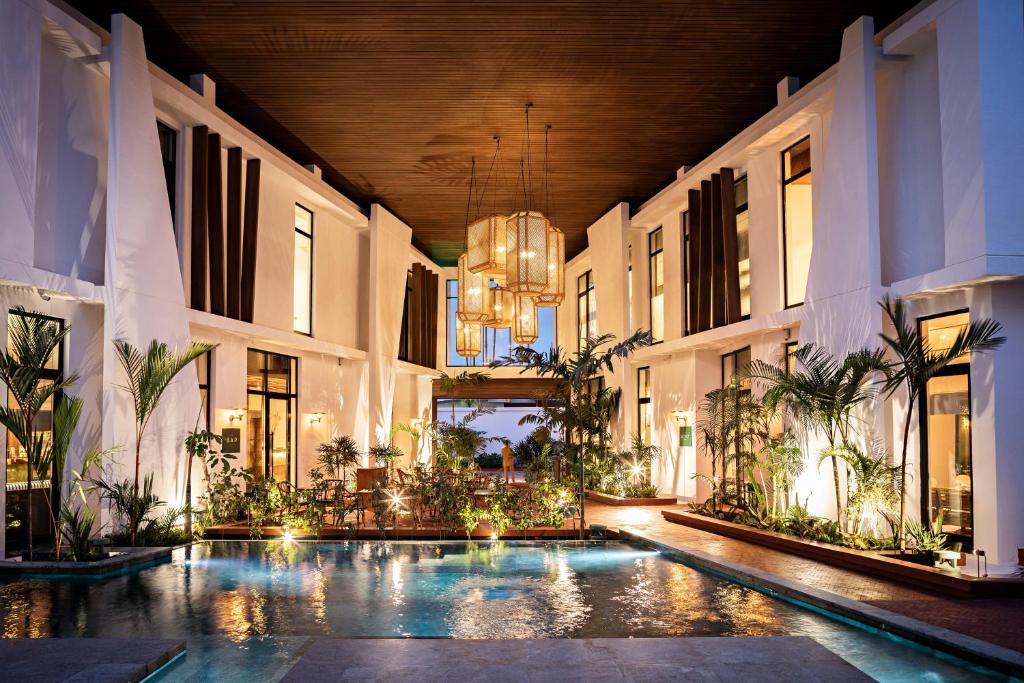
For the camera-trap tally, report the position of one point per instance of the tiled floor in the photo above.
(608, 660)
(96, 660)
(996, 621)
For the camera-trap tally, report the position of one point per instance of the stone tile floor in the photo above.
(791, 659)
(95, 660)
(997, 621)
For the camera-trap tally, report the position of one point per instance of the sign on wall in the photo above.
(231, 440)
(686, 436)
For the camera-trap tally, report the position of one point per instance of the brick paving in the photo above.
(996, 621)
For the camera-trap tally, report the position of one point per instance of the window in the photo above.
(946, 471)
(645, 412)
(586, 309)
(203, 370)
(743, 245)
(19, 499)
(733, 364)
(797, 224)
(789, 353)
(403, 339)
(169, 154)
(629, 256)
(685, 224)
(656, 264)
(271, 388)
(494, 343)
(302, 306)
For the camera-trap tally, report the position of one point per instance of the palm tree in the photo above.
(54, 459)
(149, 375)
(32, 340)
(449, 383)
(916, 362)
(572, 375)
(823, 393)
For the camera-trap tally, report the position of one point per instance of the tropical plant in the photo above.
(32, 341)
(54, 458)
(131, 505)
(449, 383)
(778, 464)
(76, 525)
(876, 485)
(582, 411)
(823, 393)
(224, 497)
(926, 538)
(199, 443)
(148, 376)
(386, 454)
(337, 455)
(916, 361)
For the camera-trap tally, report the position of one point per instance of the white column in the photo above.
(390, 241)
(143, 293)
(609, 257)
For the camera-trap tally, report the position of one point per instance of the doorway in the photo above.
(271, 428)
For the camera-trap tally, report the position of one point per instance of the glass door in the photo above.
(947, 467)
(271, 415)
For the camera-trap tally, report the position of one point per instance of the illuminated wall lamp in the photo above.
(315, 419)
(235, 414)
(682, 417)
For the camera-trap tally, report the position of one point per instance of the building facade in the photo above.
(135, 209)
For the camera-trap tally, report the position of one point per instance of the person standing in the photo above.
(508, 462)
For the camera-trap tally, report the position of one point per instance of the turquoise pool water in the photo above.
(247, 609)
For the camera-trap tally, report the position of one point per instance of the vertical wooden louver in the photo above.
(713, 253)
(197, 259)
(234, 230)
(215, 225)
(249, 238)
(223, 262)
(421, 318)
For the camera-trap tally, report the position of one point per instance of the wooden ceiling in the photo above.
(394, 98)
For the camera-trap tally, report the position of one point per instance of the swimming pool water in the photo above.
(247, 609)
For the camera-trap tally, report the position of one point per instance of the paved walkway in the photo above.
(788, 659)
(96, 660)
(997, 621)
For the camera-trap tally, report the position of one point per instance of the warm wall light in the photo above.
(316, 418)
(682, 417)
(235, 414)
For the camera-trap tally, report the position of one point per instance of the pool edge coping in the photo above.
(974, 650)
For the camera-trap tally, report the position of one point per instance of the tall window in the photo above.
(302, 306)
(403, 340)
(685, 223)
(946, 472)
(586, 309)
(743, 245)
(789, 352)
(494, 343)
(629, 256)
(797, 226)
(656, 266)
(204, 365)
(169, 155)
(732, 365)
(645, 412)
(271, 387)
(19, 499)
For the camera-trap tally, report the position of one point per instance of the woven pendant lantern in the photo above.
(503, 308)
(487, 245)
(524, 328)
(526, 263)
(468, 338)
(554, 292)
(474, 295)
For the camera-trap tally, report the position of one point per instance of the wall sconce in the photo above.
(235, 414)
(315, 418)
(682, 417)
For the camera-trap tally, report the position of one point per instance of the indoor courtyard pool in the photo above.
(245, 607)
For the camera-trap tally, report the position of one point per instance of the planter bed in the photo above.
(239, 531)
(120, 558)
(864, 561)
(609, 499)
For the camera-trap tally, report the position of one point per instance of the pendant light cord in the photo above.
(487, 180)
(529, 159)
(547, 177)
(469, 203)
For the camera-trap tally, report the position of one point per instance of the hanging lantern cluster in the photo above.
(512, 265)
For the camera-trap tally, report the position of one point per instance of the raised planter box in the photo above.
(864, 561)
(239, 531)
(609, 499)
(120, 558)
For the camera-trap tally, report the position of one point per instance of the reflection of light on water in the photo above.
(26, 610)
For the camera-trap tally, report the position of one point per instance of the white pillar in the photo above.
(143, 293)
